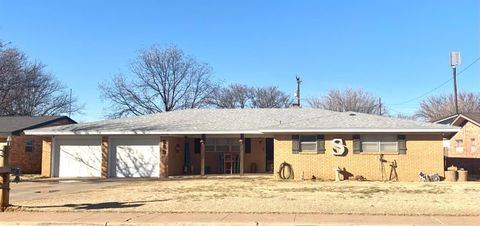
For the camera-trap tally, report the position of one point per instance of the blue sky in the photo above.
(397, 50)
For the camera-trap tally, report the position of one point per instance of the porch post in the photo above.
(202, 155)
(242, 153)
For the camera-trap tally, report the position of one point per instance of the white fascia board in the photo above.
(447, 118)
(446, 130)
(465, 117)
(361, 130)
(33, 132)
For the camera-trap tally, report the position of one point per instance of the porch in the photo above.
(216, 155)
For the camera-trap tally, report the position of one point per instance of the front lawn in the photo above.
(266, 195)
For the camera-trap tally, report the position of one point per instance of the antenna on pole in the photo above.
(70, 105)
(297, 92)
(455, 59)
(380, 105)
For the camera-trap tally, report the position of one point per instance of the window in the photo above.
(379, 143)
(28, 145)
(222, 145)
(308, 143)
(473, 145)
(459, 145)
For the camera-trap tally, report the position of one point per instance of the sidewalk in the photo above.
(82, 218)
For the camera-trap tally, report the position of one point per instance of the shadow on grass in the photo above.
(97, 206)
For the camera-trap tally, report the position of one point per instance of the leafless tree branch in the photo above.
(357, 100)
(28, 90)
(162, 79)
(437, 107)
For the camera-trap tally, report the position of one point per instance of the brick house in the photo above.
(464, 146)
(237, 141)
(26, 150)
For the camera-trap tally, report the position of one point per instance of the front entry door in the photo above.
(269, 155)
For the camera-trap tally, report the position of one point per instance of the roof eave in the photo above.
(46, 133)
(446, 118)
(466, 118)
(443, 130)
(139, 132)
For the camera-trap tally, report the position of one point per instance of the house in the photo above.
(202, 141)
(463, 149)
(26, 150)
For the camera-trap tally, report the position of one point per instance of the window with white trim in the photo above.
(308, 143)
(459, 145)
(473, 144)
(28, 145)
(379, 143)
(222, 145)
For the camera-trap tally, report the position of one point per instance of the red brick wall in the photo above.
(29, 162)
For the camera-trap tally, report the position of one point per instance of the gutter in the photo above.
(33, 132)
(446, 130)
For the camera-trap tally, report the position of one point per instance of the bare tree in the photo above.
(270, 97)
(357, 100)
(437, 107)
(232, 96)
(28, 90)
(164, 79)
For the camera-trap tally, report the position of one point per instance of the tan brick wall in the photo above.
(424, 153)
(105, 149)
(46, 156)
(468, 131)
(257, 156)
(164, 167)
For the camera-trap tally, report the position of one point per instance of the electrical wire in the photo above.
(439, 86)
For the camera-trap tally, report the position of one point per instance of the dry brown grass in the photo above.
(265, 195)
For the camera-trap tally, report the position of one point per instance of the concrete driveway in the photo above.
(43, 188)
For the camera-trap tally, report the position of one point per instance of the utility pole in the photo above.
(297, 92)
(380, 105)
(455, 59)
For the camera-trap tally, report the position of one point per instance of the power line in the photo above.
(438, 87)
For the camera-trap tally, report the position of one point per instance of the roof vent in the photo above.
(352, 114)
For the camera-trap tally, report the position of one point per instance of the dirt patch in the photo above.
(266, 195)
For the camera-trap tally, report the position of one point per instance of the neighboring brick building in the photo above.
(26, 151)
(464, 146)
(313, 141)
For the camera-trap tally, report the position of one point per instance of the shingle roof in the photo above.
(11, 124)
(248, 121)
(473, 117)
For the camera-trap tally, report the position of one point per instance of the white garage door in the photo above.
(80, 157)
(135, 157)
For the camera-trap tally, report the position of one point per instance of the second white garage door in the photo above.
(134, 157)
